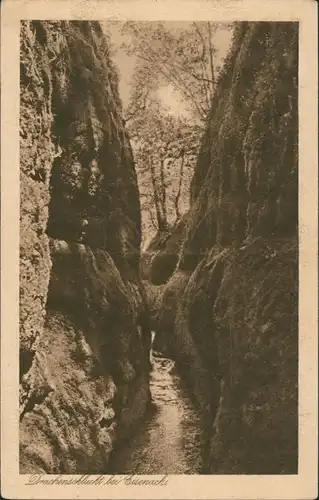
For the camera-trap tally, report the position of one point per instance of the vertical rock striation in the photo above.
(230, 308)
(84, 343)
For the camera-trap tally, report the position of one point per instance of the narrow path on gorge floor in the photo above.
(170, 440)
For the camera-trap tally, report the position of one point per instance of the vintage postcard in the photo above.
(159, 249)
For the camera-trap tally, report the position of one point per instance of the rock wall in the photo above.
(160, 258)
(84, 342)
(229, 312)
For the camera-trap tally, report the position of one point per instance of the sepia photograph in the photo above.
(159, 249)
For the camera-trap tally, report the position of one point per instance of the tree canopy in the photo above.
(183, 58)
(165, 144)
(165, 149)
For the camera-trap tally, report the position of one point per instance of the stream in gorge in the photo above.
(170, 440)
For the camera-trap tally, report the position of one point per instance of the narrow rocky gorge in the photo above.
(220, 288)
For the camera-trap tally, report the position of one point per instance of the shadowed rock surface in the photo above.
(160, 259)
(84, 342)
(229, 311)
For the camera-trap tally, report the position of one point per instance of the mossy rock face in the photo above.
(94, 196)
(246, 179)
(154, 296)
(235, 336)
(62, 429)
(37, 151)
(84, 329)
(236, 343)
(164, 339)
(256, 331)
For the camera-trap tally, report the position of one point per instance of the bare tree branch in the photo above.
(178, 194)
(211, 59)
(171, 77)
